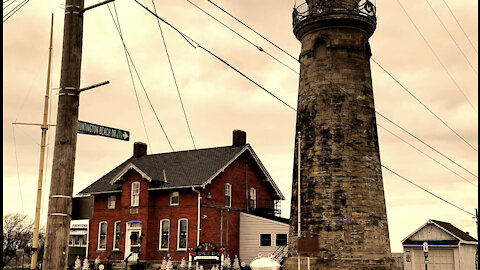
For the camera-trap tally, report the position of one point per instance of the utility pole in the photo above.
(44, 127)
(61, 189)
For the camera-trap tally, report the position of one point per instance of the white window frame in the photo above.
(228, 193)
(178, 235)
(135, 197)
(115, 234)
(99, 232)
(111, 200)
(253, 198)
(161, 235)
(172, 196)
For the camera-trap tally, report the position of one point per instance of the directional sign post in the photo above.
(98, 130)
(425, 253)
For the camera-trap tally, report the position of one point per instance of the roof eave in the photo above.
(125, 169)
(245, 148)
(175, 187)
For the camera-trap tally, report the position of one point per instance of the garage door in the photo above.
(439, 259)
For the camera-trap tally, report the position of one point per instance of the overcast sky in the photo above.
(218, 100)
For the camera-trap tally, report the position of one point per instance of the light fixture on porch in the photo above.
(209, 195)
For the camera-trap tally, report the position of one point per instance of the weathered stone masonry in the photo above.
(342, 197)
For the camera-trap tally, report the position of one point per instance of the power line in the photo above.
(411, 182)
(437, 57)
(296, 59)
(261, 87)
(459, 25)
(411, 94)
(145, 91)
(18, 174)
(125, 50)
(244, 38)
(454, 41)
(174, 78)
(372, 59)
(15, 10)
(5, 7)
(392, 77)
(398, 137)
(426, 144)
(197, 45)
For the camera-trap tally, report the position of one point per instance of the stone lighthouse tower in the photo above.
(342, 197)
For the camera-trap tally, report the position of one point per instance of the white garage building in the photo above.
(263, 236)
(449, 248)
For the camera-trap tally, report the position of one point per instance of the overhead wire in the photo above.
(459, 25)
(418, 100)
(426, 144)
(411, 145)
(411, 182)
(174, 78)
(144, 89)
(411, 94)
(247, 40)
(119, 30)
(451, 37)
(15, 10)
(266, 39)
(425, 106)
(129, 59)
(18, 173)
(199, 46)
(5, 7)
(438, 58)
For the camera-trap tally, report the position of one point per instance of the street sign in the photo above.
(94, 129)
(425, 247)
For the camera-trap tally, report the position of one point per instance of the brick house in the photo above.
(177, 200)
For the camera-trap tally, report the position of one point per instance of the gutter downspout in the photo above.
(198, 215)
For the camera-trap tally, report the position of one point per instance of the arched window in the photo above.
(164, 234)
(182, 238)
(135, 194)
(116, 236)
(102, 235)
(228, 195)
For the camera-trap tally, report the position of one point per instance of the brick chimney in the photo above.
(139, 149)
(239, 138)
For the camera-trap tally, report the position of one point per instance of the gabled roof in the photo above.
(448, 228)
(454, 230)
(183, 169)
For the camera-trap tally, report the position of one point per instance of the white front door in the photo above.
(132, 237)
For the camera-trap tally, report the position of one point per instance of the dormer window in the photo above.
(135, 194)
(111, 202)
(228, 195)
(174, 198)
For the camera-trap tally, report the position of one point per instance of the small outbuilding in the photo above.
(449, 248)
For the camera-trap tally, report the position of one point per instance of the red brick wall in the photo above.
(155, 206)
(237, 174)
